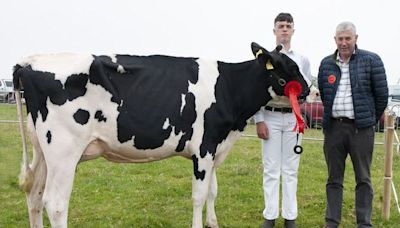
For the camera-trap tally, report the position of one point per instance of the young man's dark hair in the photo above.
(284, 17)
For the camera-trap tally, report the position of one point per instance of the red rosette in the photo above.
(293, 90)
(292, 87)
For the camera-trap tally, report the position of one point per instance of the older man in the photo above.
(353, 88)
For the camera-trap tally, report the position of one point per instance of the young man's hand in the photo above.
(262, 130)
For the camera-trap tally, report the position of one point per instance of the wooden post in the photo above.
(388, 146)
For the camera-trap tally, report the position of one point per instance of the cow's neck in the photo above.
(247, 88)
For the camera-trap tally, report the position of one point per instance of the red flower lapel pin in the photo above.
(331, 79)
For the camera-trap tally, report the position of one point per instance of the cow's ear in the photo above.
(262, 56)
(257, 49)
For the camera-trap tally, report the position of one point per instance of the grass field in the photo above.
(158, 194)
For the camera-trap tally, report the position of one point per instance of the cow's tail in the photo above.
(26, 175)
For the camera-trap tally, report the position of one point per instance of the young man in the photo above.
(354, 92)
(275, 124)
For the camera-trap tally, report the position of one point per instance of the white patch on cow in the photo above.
(183, 102)
(225, 146)
(277, 101)
(166, 123)
(272, 92)
(121, 69)
(222, 150)
(71, 133)
(113, 58)
(172, 141)
(203, 165)
(62, 65)
(204, 91)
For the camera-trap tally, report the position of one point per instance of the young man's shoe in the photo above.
(268, 223)
(290, 223)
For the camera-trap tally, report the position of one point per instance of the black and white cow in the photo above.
(138, 109)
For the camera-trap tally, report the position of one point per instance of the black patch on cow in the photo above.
(196, 172)
(187, 119)
(48, 135)
(81, 116)
(240, 91)
(75, 86)
(39, 86)
(99, 116)
(149, 93)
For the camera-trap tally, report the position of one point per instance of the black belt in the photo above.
(283, 110)
(343, 120)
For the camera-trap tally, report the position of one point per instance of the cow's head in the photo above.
(280, 69)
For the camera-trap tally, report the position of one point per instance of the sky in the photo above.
(217, 29)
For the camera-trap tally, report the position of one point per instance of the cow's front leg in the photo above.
(211, 218)
(202, 169)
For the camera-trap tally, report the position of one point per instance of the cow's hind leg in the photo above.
(211, 217)
(200, 187)
(61, 166)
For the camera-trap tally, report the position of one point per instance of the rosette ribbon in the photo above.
(293, 90)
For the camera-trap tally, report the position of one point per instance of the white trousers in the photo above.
(279, 160)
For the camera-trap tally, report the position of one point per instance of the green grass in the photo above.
(158, 194)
